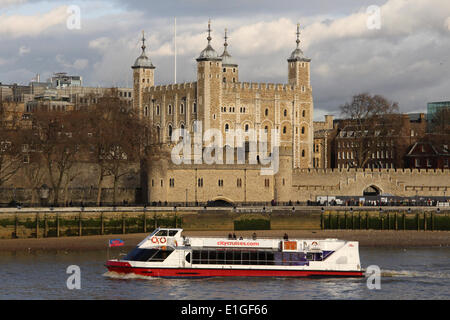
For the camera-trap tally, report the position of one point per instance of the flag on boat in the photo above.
(116, 243)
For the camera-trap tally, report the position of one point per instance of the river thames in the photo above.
(414, 273)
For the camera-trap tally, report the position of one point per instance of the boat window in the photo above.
(140, 254)
(212, 257)
(162, 233)
(270, 258)
(234, 257)
(160, 256)
(229, 257)
(195, 256)
(188, 257)
(220, 257)
(262, 258)
(246, 258)
(204, 257)
(153, 255)
(254, 257)
(172, 233)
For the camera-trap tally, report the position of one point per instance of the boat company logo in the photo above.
(208, 147)
(159, 240)
(238, 243)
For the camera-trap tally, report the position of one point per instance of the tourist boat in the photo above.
(166, 253)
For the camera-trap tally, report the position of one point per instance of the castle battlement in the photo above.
(171, 87)
(252, 86)
(415, 172)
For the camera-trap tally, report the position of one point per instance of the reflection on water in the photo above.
(406, 274)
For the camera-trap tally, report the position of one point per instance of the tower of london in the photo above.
(220, 101)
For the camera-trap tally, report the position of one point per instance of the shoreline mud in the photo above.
(366, 238)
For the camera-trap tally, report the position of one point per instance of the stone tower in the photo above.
(143, 77)
(299, 66)
(209, 87)
(230, 67)
(299, 78)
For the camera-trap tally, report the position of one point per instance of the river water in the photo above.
(419, 273)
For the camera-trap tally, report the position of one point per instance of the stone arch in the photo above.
(222, 202)
(372, 190)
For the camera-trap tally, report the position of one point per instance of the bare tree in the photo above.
(440, 126)
(117, 139)
(10, 147)
(370, 121)
(60, 138)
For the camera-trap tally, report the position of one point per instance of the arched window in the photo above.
(266, 112)
(169, 109)
(170, 131)
(303, 130)
(182, 108)
(146, 112)
(246, 128)
(284, 130)
(227, 127)
(285, 112)
(195, 107)
(304, 113)
(224, 80)
(266, 129)
(158, 133)
(157, 110)
(303, 153)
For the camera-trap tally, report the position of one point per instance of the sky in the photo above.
(396, 48)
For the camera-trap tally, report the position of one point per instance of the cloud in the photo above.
(78, 64)
(23, 50)
(7, 3)
(34, 25)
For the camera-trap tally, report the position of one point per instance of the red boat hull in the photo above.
(126, 268)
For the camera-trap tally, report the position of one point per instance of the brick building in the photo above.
(384, 146)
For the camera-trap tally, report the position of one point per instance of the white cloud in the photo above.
(23, 50)
(7, 3)
(101, 44)
(19, 25)
(79, 64)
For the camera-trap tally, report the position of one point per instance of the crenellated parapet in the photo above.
(275, 87)
(171, 87)
(415, 172)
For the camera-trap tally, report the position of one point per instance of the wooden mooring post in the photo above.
(145, 222)
(37, 225)
(45, 226)
(80, 225)
(102, 224)
(57, 225)
(424, 221)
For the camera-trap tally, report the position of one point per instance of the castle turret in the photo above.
(299, 71)
(209, 78)
(230, 67)
(143, 77)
